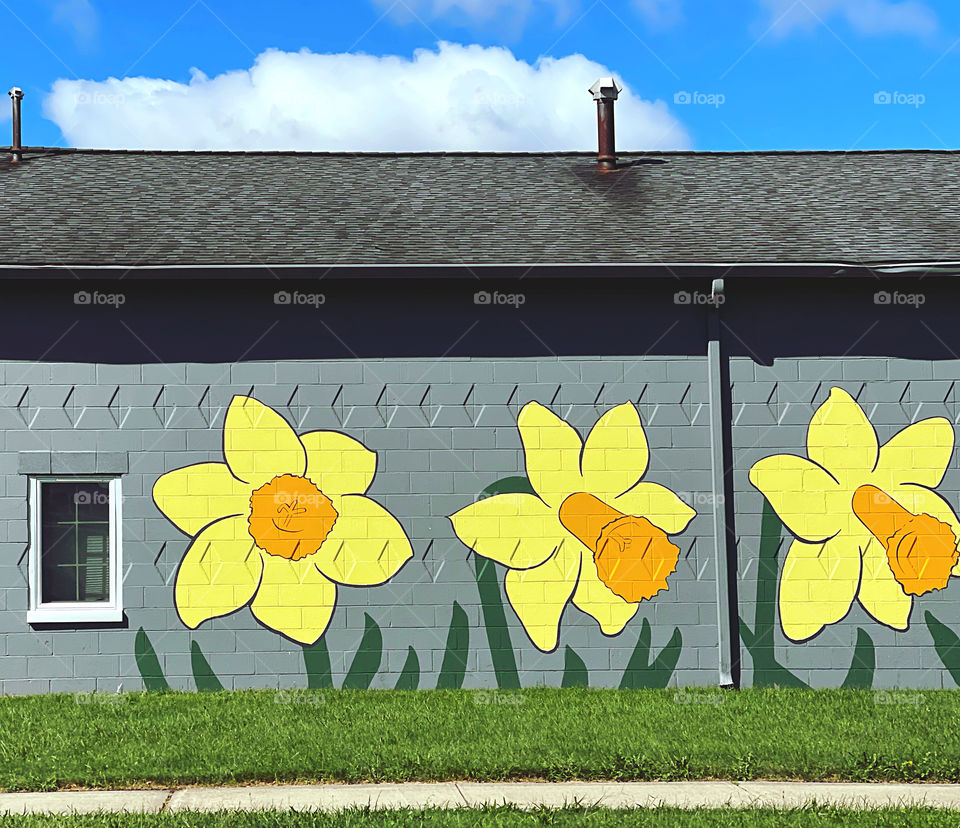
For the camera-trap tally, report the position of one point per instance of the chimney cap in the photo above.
(606, 89)
(16, 92)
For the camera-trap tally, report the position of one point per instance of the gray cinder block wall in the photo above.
(444, 430)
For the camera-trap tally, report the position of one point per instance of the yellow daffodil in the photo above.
(592, 534)
(279, 525)
(867, 522)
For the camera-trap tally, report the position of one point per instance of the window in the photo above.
(75, 550)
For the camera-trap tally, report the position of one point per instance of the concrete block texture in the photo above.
(443, 431)
(868, 421)
(445, 436)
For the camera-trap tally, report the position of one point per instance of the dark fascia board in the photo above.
(717, 270)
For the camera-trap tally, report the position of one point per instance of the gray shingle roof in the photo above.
(86, 207)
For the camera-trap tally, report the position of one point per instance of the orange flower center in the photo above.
(921, 550)
(633, 557)
(290, 517)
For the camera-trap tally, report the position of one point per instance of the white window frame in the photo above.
(62, 612)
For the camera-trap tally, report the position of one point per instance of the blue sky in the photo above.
(746, 74)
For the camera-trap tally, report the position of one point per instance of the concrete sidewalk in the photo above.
(473, 794)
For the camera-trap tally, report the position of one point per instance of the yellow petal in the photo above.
(539, 595)
(805, 497)
(920, 453)
(658, 505)
(259, 444)
(338, 464)
(219, 573)
(818, 585)
(615, 455)
(516, 530)
(367, 545)
(593, 597)
(880, 594)
(294, 599)
(841, 438)
(196, 496)
(552, 451)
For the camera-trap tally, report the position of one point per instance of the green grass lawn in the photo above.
(508, 818)
(49, 742)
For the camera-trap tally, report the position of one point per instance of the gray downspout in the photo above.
(720, 461)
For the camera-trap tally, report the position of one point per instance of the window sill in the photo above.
(71, 615)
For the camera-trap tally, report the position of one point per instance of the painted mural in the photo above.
(867, 523)
(280, 525)
(591, 532)
(285, 521)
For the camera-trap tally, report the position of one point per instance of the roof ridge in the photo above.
(479, 154)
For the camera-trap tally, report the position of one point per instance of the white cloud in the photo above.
(455, 98)
(869, 17)
(78, 16)
(660, 13)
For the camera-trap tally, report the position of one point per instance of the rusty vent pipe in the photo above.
(16, 156)
(605, 92)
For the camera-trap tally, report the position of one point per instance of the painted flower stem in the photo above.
(410, 675)
(574, 670)
(366, 663)
(767, 671)
(641, 672)
(864, 663)
(495, 623)
(454, 665)
(316, 661)
(206, 680)
(148, 664)
(947, 644)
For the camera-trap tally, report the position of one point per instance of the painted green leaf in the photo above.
(767, 671)
(316, 661)
(491, 599)
(640, 672)
(148, 664)
(203, 675)
(864, 663)
(410, 676)
(454, 665)
(947, 645)
(366, 663)
(509, 485)
(574, 670)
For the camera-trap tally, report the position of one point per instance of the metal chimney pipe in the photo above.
(605, 92)
(16, 156)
